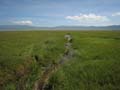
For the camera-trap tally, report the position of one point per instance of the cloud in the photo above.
(88, 18)
(116, 14)
(25, 22)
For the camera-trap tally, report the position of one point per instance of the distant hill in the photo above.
(112, 27)
(26, 27)
(15, 27)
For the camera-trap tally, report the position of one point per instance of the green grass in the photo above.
(95, 66)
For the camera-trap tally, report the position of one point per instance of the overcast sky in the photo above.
(60, 12)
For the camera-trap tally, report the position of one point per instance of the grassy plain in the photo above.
(95, 65)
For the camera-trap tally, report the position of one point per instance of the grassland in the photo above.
(95, 65)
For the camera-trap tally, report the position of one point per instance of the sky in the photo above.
(60, 12)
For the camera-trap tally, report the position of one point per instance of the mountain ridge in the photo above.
(26, 27)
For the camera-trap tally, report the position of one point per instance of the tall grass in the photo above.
(25, 55)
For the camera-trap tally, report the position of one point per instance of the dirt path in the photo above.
(41, 83)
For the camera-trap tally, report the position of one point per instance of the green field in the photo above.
(25, 55)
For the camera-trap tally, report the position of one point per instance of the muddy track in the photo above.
(41, 83)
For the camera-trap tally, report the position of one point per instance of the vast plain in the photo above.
(25, 55)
